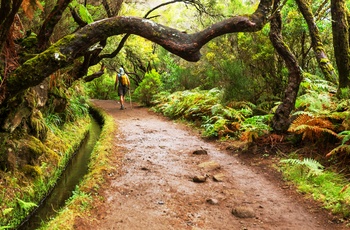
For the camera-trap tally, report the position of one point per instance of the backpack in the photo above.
(124, 80)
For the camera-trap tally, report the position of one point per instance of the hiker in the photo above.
(123, 82)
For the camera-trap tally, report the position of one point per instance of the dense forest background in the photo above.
(264, 72)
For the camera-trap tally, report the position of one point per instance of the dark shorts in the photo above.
(122, 90)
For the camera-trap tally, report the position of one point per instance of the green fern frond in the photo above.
(7, 211)
(313, 167)
(345, 135)
(339, 115)
(26, 205)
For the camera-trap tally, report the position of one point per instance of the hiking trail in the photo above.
(170, 178)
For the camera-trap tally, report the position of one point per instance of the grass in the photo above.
(86, 193)
(325, 186)
(20, 192)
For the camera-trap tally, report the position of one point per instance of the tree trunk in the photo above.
(281, 121)
(340, 29)
(316, 42)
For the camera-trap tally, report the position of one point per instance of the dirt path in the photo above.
(155, 189)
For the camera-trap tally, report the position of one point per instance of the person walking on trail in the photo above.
(123, 82)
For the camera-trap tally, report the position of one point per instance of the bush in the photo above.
(150, 86)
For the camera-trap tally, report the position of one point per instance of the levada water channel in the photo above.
(73, 173)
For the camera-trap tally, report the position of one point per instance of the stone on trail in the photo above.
(212, 201)
(209, 165)
(200, 152)
(219, 177)
(243, 212)
(199, 179)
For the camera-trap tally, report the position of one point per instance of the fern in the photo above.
(313, 167)
(343, 148)
(26, 206)
(338, 150)
(345, 135)
(7, 211)
(311, 127)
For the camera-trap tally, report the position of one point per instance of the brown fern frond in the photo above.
(339, 150)
(311, 127)
(305, 119)
(300, 120)
(320, 122)
(10, 49)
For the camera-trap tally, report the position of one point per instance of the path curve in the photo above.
(154, 188)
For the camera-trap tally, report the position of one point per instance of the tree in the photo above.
(341, 37)
(317, 45)
(281, 120)
(71, 47)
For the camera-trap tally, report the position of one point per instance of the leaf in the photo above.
(7, 211)
(345, 135)
(26, 205)
(311, 127)
(85, 15)
(314, 167)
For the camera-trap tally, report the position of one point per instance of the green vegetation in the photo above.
(28, 184)
(232, 93)
(328, 187)
(205, 108)
(150, 86)
(87, 192)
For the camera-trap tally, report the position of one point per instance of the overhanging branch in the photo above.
(187, 46)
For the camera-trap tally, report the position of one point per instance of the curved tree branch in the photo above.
(66, 50)
(77, 18)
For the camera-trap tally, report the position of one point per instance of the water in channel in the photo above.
(74, 172)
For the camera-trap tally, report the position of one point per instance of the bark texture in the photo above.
(316, 42)
(281, 119)
(340, 29)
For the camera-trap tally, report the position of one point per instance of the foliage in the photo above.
(311, 128)
(102, 88)
(205, 108)
(325, 186)
(60, 146)
(150, 86)
(344, 147)
(312, 167)
(87, 192)
(255, 126)
(78, 105)
(26, 206)
(316, 95)
(320, 114)
(83, 12)
(174, 75)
